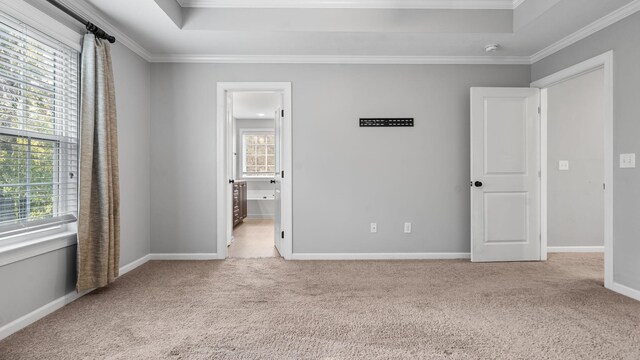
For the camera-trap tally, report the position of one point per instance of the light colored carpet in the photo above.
(253, 239)
(272, 309)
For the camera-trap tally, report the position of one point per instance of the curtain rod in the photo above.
(98, 32)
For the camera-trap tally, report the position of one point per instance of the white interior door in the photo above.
(505, 174)
(277, 181)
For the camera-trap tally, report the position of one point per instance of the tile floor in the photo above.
(253, 239)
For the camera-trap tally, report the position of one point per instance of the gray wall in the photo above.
(132, 78)
(576, 134)
(344, 177)
(34, 282)
(256, 209)
(621, 37)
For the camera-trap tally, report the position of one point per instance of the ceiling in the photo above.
(255, 105)
(351, 4)
(350, 31)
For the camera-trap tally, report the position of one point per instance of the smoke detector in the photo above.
(491, 48)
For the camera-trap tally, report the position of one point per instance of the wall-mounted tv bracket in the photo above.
(385, 122)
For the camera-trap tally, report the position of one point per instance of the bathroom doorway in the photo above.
(253, 184)
(254, 167)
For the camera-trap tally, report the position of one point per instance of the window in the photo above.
(38, 130)
(258, 154)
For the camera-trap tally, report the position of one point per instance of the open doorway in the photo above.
(254, 170)
(253, 157)
(575, 172)
(577, 162)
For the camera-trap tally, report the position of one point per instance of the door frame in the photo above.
(605, 62)
(224, 225)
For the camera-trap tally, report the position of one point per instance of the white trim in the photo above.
(571, 39)
(29, 248)
(625, 290)
(588, 30)
(575, 249)
(341, 59)
(543, 175)
(39, 313)
(517, 3)
(223, 208)
(184, 256)
(355, 4)
(574, 71)
(134, 264)
(44, 23)
(379, 256)
(605, 62)
(84, 9)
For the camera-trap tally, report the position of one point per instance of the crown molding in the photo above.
(588, 30)
(37, 19)
(341, 59)
(517, 3)
(90, 13)
(355, 4)
(26, 13)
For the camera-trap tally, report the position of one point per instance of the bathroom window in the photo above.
(258, 154)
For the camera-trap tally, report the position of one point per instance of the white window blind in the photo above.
(38, 129)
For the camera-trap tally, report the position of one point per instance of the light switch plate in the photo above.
(563, 165)
(627, 161)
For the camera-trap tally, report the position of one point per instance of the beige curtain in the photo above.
(99, 213)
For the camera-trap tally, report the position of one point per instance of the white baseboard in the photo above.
(134, 264)
(30, 318)
(39, 313)
(379, 256)
(575, 249)
(185, 256)
(625, 290)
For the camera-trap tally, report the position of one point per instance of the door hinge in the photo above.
(282, 174)
(282, 234)
(604, 186)
(282, 112)
(539, 110)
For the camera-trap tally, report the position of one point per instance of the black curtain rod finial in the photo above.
(99, 33)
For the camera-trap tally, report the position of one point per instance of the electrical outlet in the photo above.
(407, 228)
(374, 227)
(563, 165)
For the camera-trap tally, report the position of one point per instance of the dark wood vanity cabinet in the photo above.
(239, 202)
